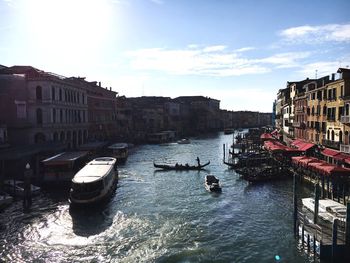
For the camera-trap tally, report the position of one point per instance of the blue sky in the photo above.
(238, 51)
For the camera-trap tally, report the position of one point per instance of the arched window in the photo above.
(62, 136)
(346, 137)
(55, 137)
(313, 111)
(328, 135)
(39, 116)
(332, 135)
(39, 93)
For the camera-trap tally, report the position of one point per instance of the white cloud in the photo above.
(210, 61)
(244, 49)
(214, 48)
(317, 34)
(323, 68)
(286, 60)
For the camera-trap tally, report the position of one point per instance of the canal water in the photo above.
(160, 216)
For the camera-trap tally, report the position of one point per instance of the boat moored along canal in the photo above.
(95, 182)
(119, 151)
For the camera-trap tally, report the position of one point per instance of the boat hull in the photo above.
(180, 167)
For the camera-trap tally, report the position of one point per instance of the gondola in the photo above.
(180, 167)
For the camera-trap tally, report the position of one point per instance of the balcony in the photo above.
(345, 148)
(331, 144)
(345, 119)
(296, 124)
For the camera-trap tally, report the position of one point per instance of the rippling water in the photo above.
(160, 216)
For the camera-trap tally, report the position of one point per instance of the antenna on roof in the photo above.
(316, 74)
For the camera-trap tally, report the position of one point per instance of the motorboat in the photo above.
(17, 188)
(212, 183)
(95, 182)
(328, 209)
(184, 141)
(119, 151)
(5, 200)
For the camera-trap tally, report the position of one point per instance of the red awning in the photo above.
(341, 156)
(329, 152)
(296, 159)
(296, 142)
(304, 162)
(274, 132)
(334, 170)
(305, 146)
(314, 165)
(266, 136)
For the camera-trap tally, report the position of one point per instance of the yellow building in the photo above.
(335, 93)
(344, 77)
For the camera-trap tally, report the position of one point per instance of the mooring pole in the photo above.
(223, 147)
(295, 205)
(314, 247)
(323, 186)
(347, 227)
(317, 197)
(334, 239)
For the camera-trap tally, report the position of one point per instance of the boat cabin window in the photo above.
(87, 187)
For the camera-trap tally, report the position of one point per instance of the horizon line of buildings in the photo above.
(38, 107)
(316, 110)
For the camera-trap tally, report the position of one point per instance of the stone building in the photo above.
(102, 112)
(40, 107)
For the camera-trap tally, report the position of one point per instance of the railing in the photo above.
(296, 124)
(345, 148)
(345, 119)
(331, 144)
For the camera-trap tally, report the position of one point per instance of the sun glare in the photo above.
(68, 28)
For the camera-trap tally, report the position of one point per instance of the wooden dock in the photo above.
(322, 239)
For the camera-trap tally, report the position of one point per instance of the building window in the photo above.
(60, 94)
(21, 109)
(54, 115)
(332, 135)
(39, 116)
(53, 95)
(39, 93)
(61, 116)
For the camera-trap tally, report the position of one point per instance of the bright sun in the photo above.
(70, 29)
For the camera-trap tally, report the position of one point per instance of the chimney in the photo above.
(99, 83)
(333, 76)
(110, 88)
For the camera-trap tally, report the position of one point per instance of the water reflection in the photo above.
(92, 220)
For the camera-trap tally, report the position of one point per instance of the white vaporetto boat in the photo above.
(95, 182)
(328, 209)
(120, 151)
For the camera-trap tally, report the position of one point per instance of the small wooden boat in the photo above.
(212, 183)
(16, 188)
(119, 151)
(264, 174)
(184, 141)
(328, 209)
(180, 167)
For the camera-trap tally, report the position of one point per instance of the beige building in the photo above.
(42, 107)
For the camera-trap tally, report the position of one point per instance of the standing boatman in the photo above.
(198, 161)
